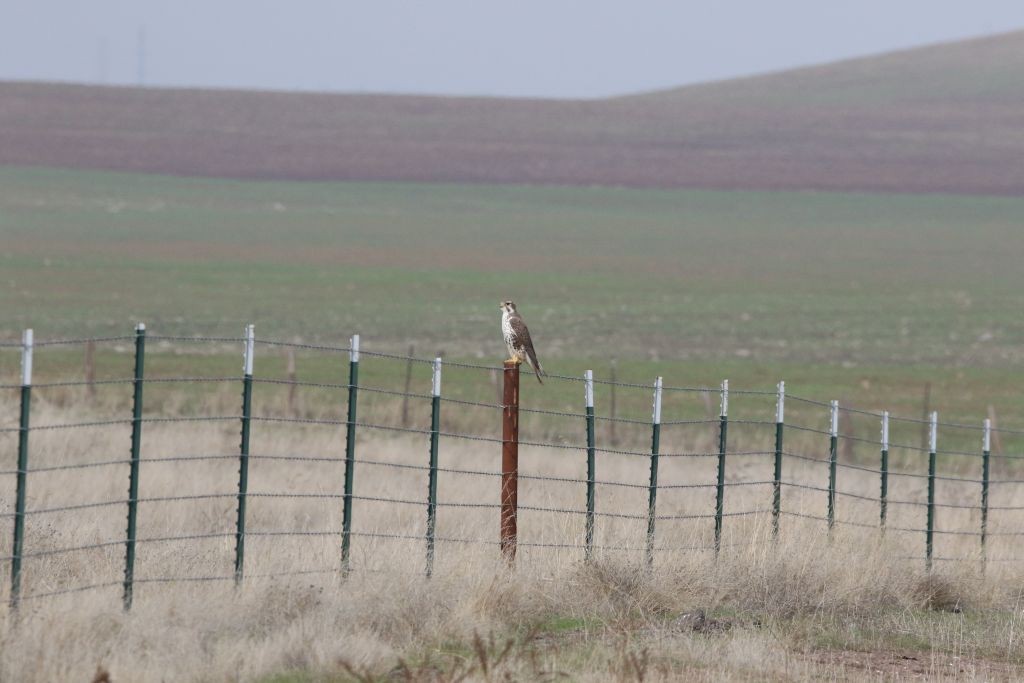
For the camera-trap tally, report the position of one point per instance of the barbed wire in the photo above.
(66, 591)
(64, 551)
(1000, 456)
(742, 513)
(201, 340)
(887, 500)
(456, 364)
(124, 421)
(890, 472)
(81, 383)
(175, 579)
(1004, 559)
(525, 510)
(301, 345)
(69, 425)
(809, 401)
(187, 537)
(126, 501)
(172, 380)
(75, 466)
(81, 340)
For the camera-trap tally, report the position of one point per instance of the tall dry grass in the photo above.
(782, 599)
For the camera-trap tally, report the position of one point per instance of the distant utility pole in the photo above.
(141, 56)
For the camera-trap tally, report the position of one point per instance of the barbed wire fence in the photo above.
(804, 469)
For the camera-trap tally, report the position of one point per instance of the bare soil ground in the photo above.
(912, 666)
(941, 119)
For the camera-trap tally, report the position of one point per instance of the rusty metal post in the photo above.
(510, 461)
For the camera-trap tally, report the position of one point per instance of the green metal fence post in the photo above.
(780, 420)
(19, 501)
(243, 457)
(833, 453)
(435, 428)
(723, 431)
(652, 490)
(588, 399)
(350, 452)
(133, 476)
(932, 434)
(884, 471)
(986, 452)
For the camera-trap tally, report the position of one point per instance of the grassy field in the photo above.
(858, 297)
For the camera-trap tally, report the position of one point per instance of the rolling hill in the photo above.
(947, 118)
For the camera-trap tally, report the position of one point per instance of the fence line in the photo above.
(586, 422)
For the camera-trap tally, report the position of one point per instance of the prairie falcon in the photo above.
(517, 338)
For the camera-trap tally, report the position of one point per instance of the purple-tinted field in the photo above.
(943, 119)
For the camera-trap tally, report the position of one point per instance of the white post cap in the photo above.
(780, 404)
(436, 384)
(588, 388)
(885, 430)
(724, 405)
(250, 349)
(657, 402)
(26, 358)
(986, 439)
(834, 410)
(353, 345)
(933, 431)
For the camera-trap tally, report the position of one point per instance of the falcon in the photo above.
(517, 338)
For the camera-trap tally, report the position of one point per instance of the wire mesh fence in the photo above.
(214, 460)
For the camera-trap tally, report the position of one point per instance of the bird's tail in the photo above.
(535, 364)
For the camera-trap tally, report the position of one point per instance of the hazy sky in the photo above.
(550, 48)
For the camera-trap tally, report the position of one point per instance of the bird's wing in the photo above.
(521, 331)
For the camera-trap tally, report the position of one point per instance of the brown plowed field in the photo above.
(948, 118)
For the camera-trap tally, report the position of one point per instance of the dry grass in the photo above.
(806, 606)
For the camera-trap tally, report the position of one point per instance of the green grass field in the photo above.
(863, 297)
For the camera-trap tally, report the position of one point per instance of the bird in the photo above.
(517, 339)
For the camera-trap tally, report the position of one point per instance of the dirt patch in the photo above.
(913, 666)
